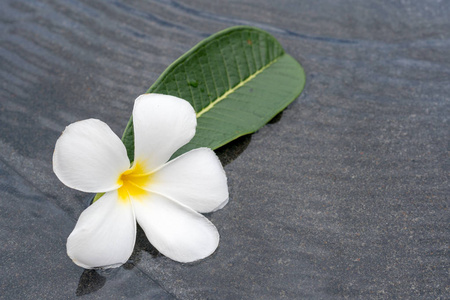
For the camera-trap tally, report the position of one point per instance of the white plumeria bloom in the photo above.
(164, 197)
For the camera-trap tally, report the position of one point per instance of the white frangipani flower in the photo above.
(164, 197)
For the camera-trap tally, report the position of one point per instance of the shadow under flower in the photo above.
(92, 280)
(142, 244)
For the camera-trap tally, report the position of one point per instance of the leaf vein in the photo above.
(231, 90)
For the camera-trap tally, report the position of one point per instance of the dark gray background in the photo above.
(345, 195)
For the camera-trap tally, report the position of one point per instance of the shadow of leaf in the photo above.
(233, 149)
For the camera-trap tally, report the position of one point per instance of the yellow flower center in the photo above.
(133, 182)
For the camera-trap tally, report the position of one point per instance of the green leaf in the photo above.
(237, 80)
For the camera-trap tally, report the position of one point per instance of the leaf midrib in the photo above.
(233, 89)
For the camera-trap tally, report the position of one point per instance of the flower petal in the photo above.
(104, 235)
(162, 124)
(89, 157)
(195, 179)
(175, 230)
